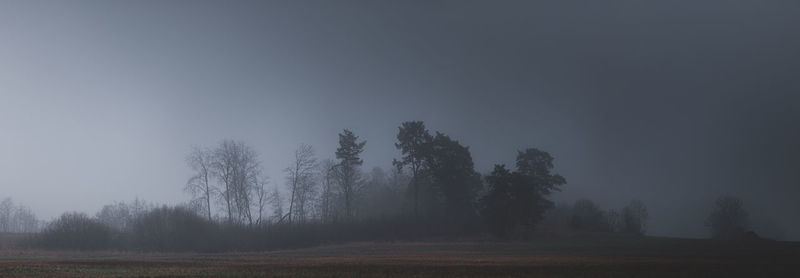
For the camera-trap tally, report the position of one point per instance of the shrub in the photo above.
(75, 231)
(175, 229)
(587, 216)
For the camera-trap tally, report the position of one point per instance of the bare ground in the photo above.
(587, 257)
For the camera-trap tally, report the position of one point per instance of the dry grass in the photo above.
(637, 257)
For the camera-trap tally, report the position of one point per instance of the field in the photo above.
(586, 257)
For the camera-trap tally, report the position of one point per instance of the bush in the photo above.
(587, 216)
(175, 229)
(75, 231)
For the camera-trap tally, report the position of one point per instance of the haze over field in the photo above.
(671, 103)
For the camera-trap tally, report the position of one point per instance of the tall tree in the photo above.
(199, 185)
(520, 197)
(413, 141)
(300, 179)
(261, 198)
(496, 205)
(454, 175)
(327, 198)
(237, 168)
(349, 173)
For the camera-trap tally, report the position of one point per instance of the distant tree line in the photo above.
(432, 190)
(584, 215)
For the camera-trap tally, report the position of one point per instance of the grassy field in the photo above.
(588, 257)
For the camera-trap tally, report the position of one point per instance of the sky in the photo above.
(674, 103)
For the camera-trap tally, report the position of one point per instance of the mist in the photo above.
(674, 104)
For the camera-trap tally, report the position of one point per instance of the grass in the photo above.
(587, 257)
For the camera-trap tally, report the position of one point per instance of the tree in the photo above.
(199, 185)
(535, 165)
(327, 198)
(25, 220)
(634, 218)
(382, 195)
(519, 198)
(587, 216)
(6, 213)
(116, 216)
(496, 205)
(262, 199)
(728, 219)
(237, 168)
(300, 179)
(453, 172)
(17, 218)
(614, 221)
(413, 140)
(349, 174)
(277, 204)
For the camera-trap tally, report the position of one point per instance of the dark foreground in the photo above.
(639, 257)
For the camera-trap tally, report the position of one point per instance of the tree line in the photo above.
(433, 180)
(432, 189)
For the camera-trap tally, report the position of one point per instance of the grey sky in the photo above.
(673, 103)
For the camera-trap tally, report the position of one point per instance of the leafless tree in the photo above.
(199, 185)
(17, 218)
(634, 217)
(237, 168)
(261, 199)
(116, 216)
(300, 181)
(326, 205)
(139, 207)
(25, 220)
(277, 204)
(6, 212)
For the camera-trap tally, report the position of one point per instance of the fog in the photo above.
(673, 103)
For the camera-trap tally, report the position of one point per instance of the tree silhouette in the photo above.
(728, 218)
(519, 198)
(634, 218)
(349, 174)
(412, 141)
(454, 175)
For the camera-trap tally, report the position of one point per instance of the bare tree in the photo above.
(199, 185)
(300, 179)
(277, 204)
(614, 221)
(17, 218)
(6, 212)
(117, 216)
(237, 168)
(139, 207)
(262, 199)
(25, 220)
(634, 217)
(326, 204)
